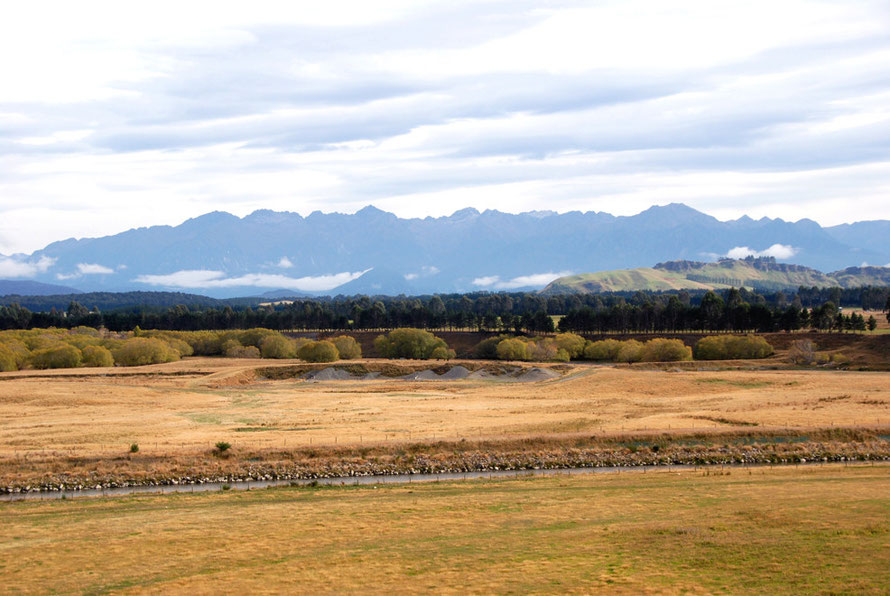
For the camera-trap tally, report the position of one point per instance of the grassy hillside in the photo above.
(759, 274)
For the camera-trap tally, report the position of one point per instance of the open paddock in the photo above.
(83, 422)
(810, 529)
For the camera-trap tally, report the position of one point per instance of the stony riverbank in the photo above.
(428, 459)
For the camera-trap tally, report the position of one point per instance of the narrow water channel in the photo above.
(337, 481)
(355, 481)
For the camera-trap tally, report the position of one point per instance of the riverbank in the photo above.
(59, 474)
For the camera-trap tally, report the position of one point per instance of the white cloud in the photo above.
(425, 271)
(201, 278)
(779, 251)
(534, 280)
(537, 279)
(186, 278)
(16, 267)
(484, 282)
(93, 269)
(285, 263)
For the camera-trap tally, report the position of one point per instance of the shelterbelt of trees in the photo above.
(731, 310)
(86, 346)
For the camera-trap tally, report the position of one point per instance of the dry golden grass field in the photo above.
(190, 405)
(792, 530)
(77, 426)
(812, 529)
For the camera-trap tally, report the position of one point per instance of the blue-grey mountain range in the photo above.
(375, 252)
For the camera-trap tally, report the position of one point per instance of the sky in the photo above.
(116, 115)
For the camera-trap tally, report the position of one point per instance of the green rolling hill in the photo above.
(763, 274)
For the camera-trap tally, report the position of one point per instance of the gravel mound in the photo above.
(456, 372)
(536, 374)
(422, 375)
(482, 374)
(328, 374)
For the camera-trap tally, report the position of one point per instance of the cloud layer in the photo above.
(535, 280)
(779, 251)
(201, 279)
(13, 267)
(765, 108)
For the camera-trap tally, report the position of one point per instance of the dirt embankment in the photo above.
(738, 447)
(413, 370)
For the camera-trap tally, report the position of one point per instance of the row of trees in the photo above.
(734, 309)
(730, 312)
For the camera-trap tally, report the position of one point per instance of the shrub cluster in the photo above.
(138, 351)
(655, 350)
(231, 348)
(263, 343)
(731, 347)
(412, 343)
(347, 347)
(53, 348)
(7, 359)
(97, 356)
(277, 346)
(85, 346)
(319, 351)
(539, 349)
(569, 346)
(59, 356)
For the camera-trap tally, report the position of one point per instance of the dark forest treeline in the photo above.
(867, 297)
(106, 301)
(731, 310)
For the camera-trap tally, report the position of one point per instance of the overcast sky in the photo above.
(117, 115)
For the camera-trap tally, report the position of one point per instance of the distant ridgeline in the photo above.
(105, 301)
(761, 274)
